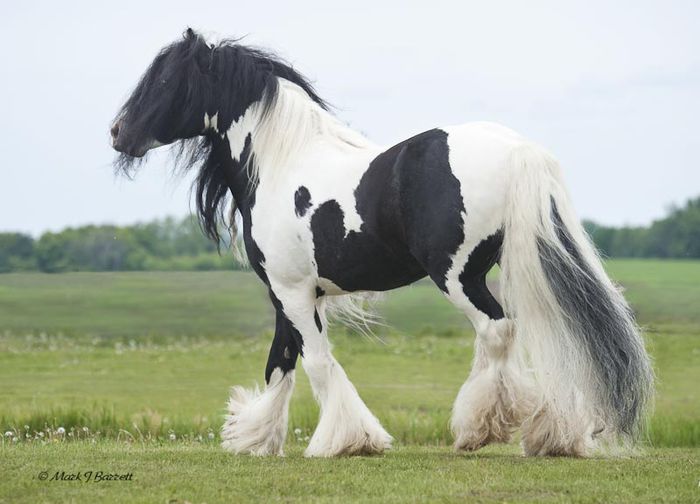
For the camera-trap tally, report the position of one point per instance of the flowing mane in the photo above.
(245, 78)
(244, 75)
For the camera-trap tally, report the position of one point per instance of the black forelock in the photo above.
(175, 74)
(223, 79)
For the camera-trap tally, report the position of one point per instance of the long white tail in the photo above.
(592, 373)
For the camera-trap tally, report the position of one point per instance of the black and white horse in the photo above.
(326, 213)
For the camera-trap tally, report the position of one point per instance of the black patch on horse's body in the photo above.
(302, 201)
(256, 258)
(328, 232)
(411, 209)
(317, 319)
(320, 292)
(431, 203)
(358, 261)
(473, 276)
(286, 346)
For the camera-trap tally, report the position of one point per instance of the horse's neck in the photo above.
(283, 136)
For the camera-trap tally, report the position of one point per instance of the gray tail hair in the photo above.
(592, 373)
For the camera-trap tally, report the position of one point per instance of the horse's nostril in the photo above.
(115, 131)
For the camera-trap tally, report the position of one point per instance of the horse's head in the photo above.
(192, 89)
(170, 101)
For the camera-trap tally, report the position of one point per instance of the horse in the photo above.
(328, 217)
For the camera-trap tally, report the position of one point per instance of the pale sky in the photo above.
(611, 88)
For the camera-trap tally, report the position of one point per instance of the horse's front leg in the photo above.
(256, 422)
(346, 425)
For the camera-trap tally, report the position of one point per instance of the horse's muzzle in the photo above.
(120, 144)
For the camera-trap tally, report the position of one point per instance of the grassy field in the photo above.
(183, 472)
(135, 368)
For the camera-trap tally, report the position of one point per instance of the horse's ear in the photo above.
(189, 34)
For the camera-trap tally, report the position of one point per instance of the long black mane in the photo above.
(193, 77)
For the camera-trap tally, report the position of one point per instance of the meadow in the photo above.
(129, 372)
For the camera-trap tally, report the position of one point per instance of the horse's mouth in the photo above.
(123, 147)
(134, 151)
(130, 152)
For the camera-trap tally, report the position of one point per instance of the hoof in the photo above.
(473, 441)
(544, 436)
(366, 440)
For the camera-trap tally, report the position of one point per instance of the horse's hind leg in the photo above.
(256, 422)
(494, 400)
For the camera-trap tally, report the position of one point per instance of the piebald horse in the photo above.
(327, 214)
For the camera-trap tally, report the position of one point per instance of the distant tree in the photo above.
(188, 239)
(161, 244)
(677, 235)
(51, 253)
(602, 236)
(16, 252)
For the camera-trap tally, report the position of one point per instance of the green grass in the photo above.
(150, 389)
(134, 304)
(234, 303)
(136, 357)
(189, 472)
(661, 292)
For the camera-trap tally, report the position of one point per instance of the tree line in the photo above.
(675, 236)
(165, 244)
(178, 244)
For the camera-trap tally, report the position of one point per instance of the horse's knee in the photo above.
(317, 365)
(321, 370)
